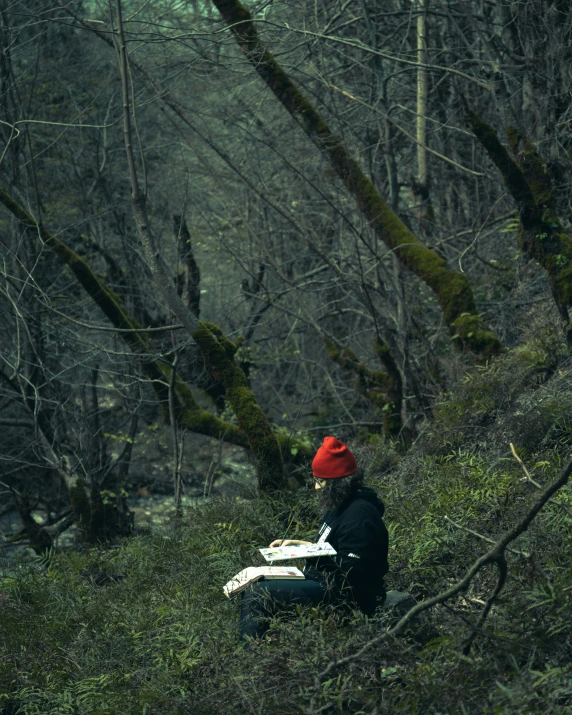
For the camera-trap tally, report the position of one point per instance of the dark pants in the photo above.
(263, 599)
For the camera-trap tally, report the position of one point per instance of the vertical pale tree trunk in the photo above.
(420, 184)
(421, 94)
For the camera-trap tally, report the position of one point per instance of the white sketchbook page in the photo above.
(297, 551)
(253, 573)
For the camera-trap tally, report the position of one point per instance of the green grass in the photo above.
(145, 627)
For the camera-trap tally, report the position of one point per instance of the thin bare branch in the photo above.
(534, 483)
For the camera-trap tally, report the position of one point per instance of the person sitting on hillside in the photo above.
(353, 525)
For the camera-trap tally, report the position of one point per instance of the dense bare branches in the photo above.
(281, 252)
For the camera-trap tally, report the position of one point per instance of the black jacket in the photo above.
(357, 532)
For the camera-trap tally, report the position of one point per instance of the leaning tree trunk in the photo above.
(190, 415)
(542, 235)
(451, 288)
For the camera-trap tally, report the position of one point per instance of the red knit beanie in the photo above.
(333, 460)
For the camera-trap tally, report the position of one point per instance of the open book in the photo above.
(254, 573)
(297, 551)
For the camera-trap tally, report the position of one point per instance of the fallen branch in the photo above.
(484, 538)
(495, 555)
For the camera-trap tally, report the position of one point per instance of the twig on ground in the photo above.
(477, 600)
(503, 571)
(534, 483)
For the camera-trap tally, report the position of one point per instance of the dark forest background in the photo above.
(229, 230)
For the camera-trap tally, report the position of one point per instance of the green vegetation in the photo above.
(145, 627)
(443, 286)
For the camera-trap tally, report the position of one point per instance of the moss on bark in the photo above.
(509, 169)
(189, 413)
(218, 353)
(542, 236)
(382, 389)
(533, 168)
(452, 289)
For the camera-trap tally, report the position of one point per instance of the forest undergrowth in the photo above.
(144, 627)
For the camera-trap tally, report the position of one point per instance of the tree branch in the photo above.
(510, 171)
(190, 415)
(534, 482)
(138, 201)
(542, 235)
(451, 288)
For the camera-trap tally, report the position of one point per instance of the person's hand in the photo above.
(279, 542)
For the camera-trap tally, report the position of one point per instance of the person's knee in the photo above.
(257, 598)
(255, 591)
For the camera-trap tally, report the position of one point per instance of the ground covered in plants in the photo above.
(144, 627)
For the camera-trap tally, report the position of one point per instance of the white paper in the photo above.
(254, 573)
(297, 551)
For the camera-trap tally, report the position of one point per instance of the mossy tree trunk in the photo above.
(100, 515)
(451, 288)
(218, 352)
(382, 389)
(542, 236)
(190, 415)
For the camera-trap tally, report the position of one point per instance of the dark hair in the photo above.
(336, 491)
